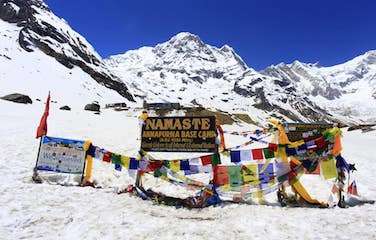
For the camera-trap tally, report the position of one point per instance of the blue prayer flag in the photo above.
(184, 165)
(133, 164)
(235, 156)
(118, 167)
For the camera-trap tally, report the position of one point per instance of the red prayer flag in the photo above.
(42, 128)
(220, 176)
(352, 189)
(257, 154)
(107, 157)
(206, 160)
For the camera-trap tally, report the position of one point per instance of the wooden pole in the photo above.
(341, 180)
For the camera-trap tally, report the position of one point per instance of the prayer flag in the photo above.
(249, 173)
(266, 173)
(133, 164)
(268, 153)
(311, 145)
(118, 167)
(257, 154)
(98, 153)
(154, 165)
(175, 165)
(206, 160)
(216, 159)
(273, 147)
(115, 158)
(194, 161)
(235, 176)
(206, 169)
(235, 156)
(320, 143)
(291, 151)
(342, 164)
(337, 147)
(125, 161)
(184, 165)
(329, 169)
(107, 157)
(302, 148)
(143, 165)
(220, 175)
(194, 169)
(352, 189)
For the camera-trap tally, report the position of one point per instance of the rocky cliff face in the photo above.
(43, 30)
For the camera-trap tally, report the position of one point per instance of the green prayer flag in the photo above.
(116, 159)
(216, 159)
(268, 153)
(235, 175)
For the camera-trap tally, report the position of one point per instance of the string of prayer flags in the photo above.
(240, 156)
(329, 169)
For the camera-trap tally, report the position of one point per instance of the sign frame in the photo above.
(180, 134)
(79, 147)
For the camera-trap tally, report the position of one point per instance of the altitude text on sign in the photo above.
(179, 134)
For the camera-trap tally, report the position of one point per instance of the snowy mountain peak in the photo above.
(36, 29)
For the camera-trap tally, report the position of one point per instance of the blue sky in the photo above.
(262, 32)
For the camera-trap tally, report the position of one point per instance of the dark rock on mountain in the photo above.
(65, 108)
(18, 98)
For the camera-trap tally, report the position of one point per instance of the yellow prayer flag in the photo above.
(175, 166)
(125, 161)
(329, 169)
(250, 174)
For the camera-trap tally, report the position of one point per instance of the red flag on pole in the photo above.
(42, 128)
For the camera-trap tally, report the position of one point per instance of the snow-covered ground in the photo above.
(45, 211)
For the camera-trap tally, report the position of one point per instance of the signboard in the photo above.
(61, 155)
(306, 131)
(179, 134)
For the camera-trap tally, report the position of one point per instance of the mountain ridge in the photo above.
(187, 70)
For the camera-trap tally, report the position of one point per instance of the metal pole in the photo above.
(36, 177)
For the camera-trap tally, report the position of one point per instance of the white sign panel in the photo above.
(61, 155)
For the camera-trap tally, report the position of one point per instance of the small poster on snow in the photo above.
(61, 155)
